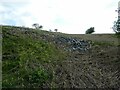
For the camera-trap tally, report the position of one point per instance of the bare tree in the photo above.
(36, 25)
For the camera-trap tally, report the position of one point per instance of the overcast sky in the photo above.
(68, 16)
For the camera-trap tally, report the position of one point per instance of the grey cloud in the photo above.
(12, 13)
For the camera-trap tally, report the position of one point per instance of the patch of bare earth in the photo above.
(98, 68)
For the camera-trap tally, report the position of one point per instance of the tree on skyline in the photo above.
(116, 26)
(56, 30)
(90, 30)
(37, 26)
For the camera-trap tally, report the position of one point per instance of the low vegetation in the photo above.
(24, 59)
(90, 30)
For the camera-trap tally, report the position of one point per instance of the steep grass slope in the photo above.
(24, 59)
(33, 58)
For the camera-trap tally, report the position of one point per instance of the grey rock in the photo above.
(73, 43)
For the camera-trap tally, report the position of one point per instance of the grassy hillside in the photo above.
(34, 58)
(25, 59)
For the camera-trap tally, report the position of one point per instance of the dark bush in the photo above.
(90, 30)
(37, 26)
(56, 30)
(116, 26)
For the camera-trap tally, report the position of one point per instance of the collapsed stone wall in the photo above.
(73, 44)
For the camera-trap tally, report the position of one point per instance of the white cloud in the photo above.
(69, 16)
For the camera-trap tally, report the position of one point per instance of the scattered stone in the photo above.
(74, 44)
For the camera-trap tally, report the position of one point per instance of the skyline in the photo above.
(68, 16)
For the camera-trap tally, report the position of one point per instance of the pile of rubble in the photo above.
(73, 44)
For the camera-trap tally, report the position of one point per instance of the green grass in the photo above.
(24, 58)
(116, 36)
(103, 43)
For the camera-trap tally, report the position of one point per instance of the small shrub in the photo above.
(56, 30)
(40, 76)
(90, 30)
